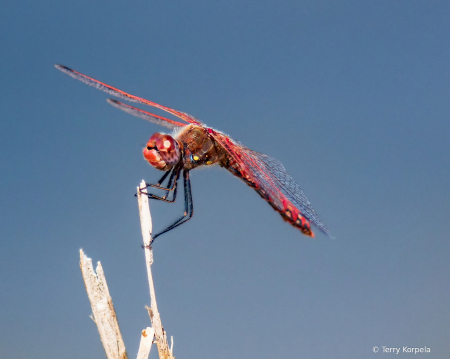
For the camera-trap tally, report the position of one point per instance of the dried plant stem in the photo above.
(103, 312)
(146, 226)
(104, 315)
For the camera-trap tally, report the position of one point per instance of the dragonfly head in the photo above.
(162, 151)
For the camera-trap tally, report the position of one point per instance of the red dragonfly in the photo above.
(193, 144)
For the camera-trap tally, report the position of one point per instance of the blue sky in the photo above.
(352, 97)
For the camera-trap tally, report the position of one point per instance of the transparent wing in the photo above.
(158, 120)
(271, 177)
(123, 95)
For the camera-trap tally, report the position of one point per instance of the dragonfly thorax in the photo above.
(162, 151)
(198, 148)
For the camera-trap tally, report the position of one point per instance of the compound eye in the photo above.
(165, 147)
(166, 143)
(152, 141)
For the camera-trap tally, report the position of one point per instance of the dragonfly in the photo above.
(192, 144)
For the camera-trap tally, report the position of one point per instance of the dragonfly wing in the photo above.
(123, 95)
(269, 178)
(158, 120)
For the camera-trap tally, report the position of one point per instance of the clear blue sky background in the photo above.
(352, 96)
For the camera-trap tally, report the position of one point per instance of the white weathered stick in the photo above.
(146, 226)
(104, 315)
(146, 343)
(102, 308)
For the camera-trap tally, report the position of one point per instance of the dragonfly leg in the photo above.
(161, 180)
(188, 206)
(174, 171)
(171, 186)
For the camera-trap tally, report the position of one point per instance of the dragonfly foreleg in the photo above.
(188, 206)
(171, 186)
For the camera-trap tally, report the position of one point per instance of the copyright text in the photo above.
(405, 349)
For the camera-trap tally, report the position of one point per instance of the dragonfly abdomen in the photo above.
(289, 214)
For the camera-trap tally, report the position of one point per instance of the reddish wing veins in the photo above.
(125, 96)
(158, 120)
